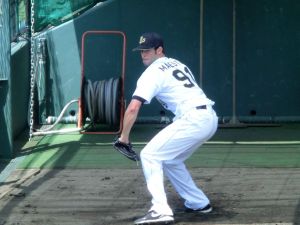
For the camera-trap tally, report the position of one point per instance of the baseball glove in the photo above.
(126, 150)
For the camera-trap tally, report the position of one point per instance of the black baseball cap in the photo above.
(149, 40)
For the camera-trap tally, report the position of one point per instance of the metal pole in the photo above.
(234, 119)
(201, 42)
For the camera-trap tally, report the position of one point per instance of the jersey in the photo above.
(173, 85)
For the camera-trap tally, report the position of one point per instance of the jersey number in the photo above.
(185, 76)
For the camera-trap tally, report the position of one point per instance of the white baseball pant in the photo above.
(166, 153)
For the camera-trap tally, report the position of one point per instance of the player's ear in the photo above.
(159, 50)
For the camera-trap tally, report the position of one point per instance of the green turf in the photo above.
(74, 154)
(236, 155)
(73, 151)
(95, 151)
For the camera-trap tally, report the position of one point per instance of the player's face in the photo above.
(149, 56)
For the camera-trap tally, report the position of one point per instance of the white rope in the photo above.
(59, 117)
(61, 131)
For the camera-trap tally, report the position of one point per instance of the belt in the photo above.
(201, 107)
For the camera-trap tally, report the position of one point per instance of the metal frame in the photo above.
(122, 110)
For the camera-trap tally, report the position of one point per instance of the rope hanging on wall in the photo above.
(102, 101)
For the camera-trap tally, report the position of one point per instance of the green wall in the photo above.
(19, 88)
(5, 121)
(266, 52)
(217, 54)
(14, 96)
(177, 22)
(5, 103)
(268, 56)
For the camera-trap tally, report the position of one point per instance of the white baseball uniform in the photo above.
(173, 84)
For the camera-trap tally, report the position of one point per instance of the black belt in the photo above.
(201, 107)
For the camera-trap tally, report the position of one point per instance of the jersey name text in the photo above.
(168, 65)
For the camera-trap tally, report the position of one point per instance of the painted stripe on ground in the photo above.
(221, 143)
(279, 223)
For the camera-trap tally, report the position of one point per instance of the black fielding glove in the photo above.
(126, 150)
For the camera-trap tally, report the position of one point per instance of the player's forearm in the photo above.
(129, 120)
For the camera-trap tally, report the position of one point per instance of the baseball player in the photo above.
(195, 121)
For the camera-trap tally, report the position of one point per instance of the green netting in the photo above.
(55, 12)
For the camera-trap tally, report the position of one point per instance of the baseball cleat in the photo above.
(206, 209)
(153, 217)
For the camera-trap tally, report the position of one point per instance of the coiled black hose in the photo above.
(102, 101)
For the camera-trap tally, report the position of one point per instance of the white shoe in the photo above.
(154, 217)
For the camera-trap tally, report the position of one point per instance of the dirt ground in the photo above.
(118, 197)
